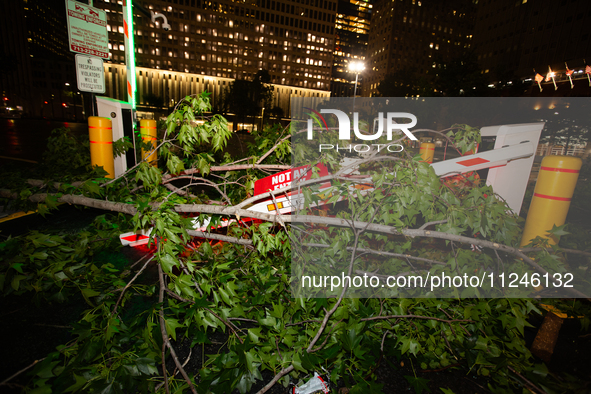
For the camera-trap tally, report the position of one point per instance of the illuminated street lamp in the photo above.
(356, 67)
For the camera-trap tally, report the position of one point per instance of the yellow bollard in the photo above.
(101, 144)
(427, 151)
(148, 133)
(554, 189)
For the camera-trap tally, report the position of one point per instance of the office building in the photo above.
(512, 38)
(210, 44)
(417, 35)
(352, 35)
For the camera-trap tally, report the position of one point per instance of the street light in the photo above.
(356, 67)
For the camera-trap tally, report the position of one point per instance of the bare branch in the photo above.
(129, 284)
(282, 373)
(165, 335)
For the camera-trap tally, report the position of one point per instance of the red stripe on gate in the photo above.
(101, 142)
(135, 237)
(125, 29)
(129, 88)
(473, 162)
(551, 197)
(559, 169)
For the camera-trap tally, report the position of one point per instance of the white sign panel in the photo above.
(90, 74)
(87, 29)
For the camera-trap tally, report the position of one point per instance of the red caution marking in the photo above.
(559, 170)
(473, 162)
(551, 197)
(135, 237)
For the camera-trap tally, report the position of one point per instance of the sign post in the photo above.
(129, 52)
(90, 74)
(87, 29)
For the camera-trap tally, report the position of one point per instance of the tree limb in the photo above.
(165, 335)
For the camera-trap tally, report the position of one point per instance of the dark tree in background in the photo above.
(153, 100)
(247, 98)
(455, 78)
(406, 82)
(461, 77)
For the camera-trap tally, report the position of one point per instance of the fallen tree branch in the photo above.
(339, 222)
(8, 379)
(165, 335)
(282, 373)
(388, 317)
(381, 253)
(232, 327)
(219, 237)
(129, 284)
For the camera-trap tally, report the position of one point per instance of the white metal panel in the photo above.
(111, 108)
(511, 180)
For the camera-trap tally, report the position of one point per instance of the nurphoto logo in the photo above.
(380, 124)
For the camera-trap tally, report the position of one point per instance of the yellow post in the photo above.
(101, 144)
(554, 189)
(427, 151)
(148, 133)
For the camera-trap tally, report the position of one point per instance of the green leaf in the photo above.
(559, 230)
(296, 361)
(16, 280)
(251, 359)
(80, 381)
(418, 384)
(168, 262)
(41, 390)
(87, 293)
(171, 326)
(146, 365)
(92, 186)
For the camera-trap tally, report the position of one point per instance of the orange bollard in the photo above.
(148, 132)
(554, 189)
(427, 151)
(101, 144)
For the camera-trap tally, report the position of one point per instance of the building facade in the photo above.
(416, 34)
(513, 38)
(38, 71)
(352, 35)
(212, 43)
(209, 44)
